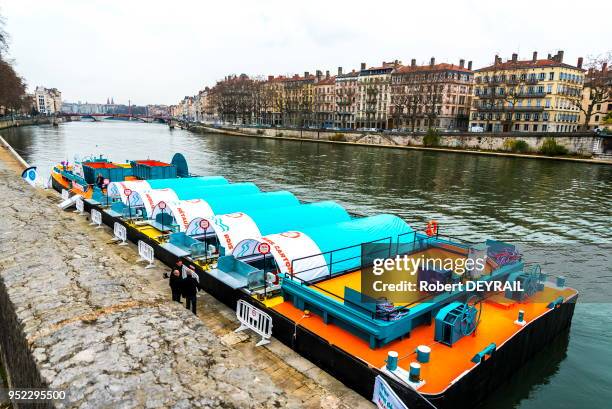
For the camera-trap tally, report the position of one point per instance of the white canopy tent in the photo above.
(117, 189)
(229, 228)
(184, 211)
(293, 251)
(150, 199)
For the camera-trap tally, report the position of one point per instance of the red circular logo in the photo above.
(162, 205)
(204, 224)
(127, 192)
(263, 248)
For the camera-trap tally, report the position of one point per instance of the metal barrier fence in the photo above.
(146, 253)
(96, 218)
(120, 233)
(253, 318)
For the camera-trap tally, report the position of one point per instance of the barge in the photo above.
(304, 273)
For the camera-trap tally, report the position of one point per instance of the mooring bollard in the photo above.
(415, 372)
(392, 361)
(423, 352)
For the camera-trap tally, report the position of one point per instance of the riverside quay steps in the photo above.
(79, 314)
(443, 349)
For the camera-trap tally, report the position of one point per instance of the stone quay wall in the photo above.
(581, 144)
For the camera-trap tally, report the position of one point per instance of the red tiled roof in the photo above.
(509, 65)
(327, 81)
(404, 69)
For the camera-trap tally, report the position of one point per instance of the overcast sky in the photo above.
(160, 51)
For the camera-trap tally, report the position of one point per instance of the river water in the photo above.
(560, 213)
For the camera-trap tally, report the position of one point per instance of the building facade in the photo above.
(324, 89)
(597, 99)
(374, 95)
(47, 101)
(346, 90)
(431, 96)
(537, 95)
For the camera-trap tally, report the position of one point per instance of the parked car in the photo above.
(476, 129)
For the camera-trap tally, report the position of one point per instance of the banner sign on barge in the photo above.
(384, 397)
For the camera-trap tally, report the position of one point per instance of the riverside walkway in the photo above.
(79, 314)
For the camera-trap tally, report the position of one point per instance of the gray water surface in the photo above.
(560, 213)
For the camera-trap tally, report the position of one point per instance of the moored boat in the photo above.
(440, 335)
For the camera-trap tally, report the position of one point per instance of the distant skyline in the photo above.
(155, 52)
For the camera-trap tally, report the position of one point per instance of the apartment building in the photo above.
(299, 100)
(324, 100)
(374, 95)
(597, 99)
(431, 96)
(346, 93)
(537, 95)
(47, 101)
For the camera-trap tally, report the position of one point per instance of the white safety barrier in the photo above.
(146, 253)
(120, 234)
(65, 194)
(96, 218)
(186, 269)
(251, 317)
(80, 205)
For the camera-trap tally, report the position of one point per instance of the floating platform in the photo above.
(315, 318)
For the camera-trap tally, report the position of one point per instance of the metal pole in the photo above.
(265, 277)
(205, 248)
(162, 220)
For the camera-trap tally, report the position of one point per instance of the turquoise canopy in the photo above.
(283, 219)
(194, 181)
(340, 242)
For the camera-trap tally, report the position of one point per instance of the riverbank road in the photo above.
(79, 314)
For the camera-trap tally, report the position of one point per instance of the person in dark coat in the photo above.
(176, 285)
(190, 291)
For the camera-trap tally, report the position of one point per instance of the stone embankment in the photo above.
(77, 313)
(23, 122)
(584, 145)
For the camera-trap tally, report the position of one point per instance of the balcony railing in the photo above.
(509, 109)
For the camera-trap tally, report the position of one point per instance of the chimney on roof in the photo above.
(560, 56)
(306, 74)
(327, 74)
(514, 57)
(470, 65)
(604, 67)
(319, 75)
(461, 63)
(535, 56)
(432, 62)
(579, 64)
(270, 77)
(339, 70)
(549, 56)
(363, 66)
(496, 59)
(413, 62)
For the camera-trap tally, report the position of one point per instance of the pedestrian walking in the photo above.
(190, 290)
(176, 285)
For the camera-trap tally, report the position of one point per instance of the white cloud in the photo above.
(159, 51)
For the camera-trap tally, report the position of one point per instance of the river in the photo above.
(560, 214)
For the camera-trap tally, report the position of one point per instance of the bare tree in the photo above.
(597, 87)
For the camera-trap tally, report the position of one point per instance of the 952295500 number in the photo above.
(33, 395)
